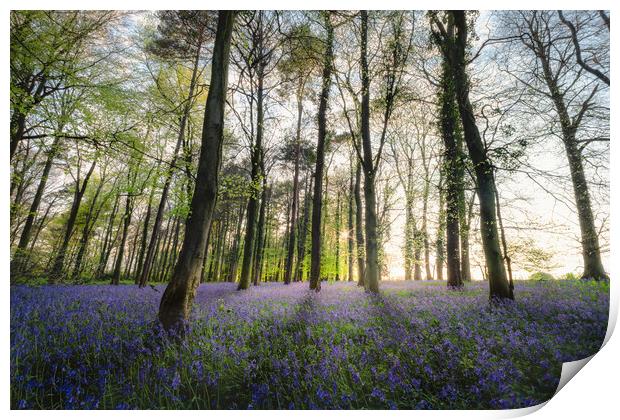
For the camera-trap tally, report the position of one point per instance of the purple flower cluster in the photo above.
(416, 346)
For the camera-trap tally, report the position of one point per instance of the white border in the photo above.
(592, 395)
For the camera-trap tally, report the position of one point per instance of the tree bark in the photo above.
(372, 273)
(315, 264)
(293, 218)
(453, 185)
(498, 282)
(59, 262)
(20, 259)
(175, 306)
(350, 228)
(253, 204)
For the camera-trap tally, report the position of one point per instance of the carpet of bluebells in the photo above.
(415, 346)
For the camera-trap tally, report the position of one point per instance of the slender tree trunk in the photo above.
(303, 232)
(359, 226)
(20, 260)
(107, 243)
(350, 228)
(338, 236)
(260, 237)
(233, 260)
(409, 228)
(59, 262)
(144, 239)
(177, 299)
(116, 276)
(293, 218)
(465, 227)
(253, 205)
(315, 264)
(88, 225)
(440, 246)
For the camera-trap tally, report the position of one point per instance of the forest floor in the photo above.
(416, 345)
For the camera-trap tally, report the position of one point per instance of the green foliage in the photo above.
(541, 276)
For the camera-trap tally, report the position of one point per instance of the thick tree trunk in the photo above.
(453, 185)
(178, 297)
(592, 262)
(315, 264)
(498, 282)
(145, 269)
(18, 128)
(372, 273)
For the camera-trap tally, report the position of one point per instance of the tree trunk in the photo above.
(315, 264)
(498, 282)
(59, 262)
(116, 276)
(107, 243)
(453, 185)
(359, 226)
(144, 272)
(293, 218)
(143, 241)
(338, 236)
(21, 259)
(350, 233)
(178, 297)
(372, 273)
(89, 222)
(465, 226)
(440, 246)
(592, 262)
(303, 233)
(253, 205)
(260, 230)
(233, 257)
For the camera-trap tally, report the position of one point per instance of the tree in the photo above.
(178, 297)
(448, 116)
(182, 35)
(572, 98)
(317, 202)
(454, 46)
